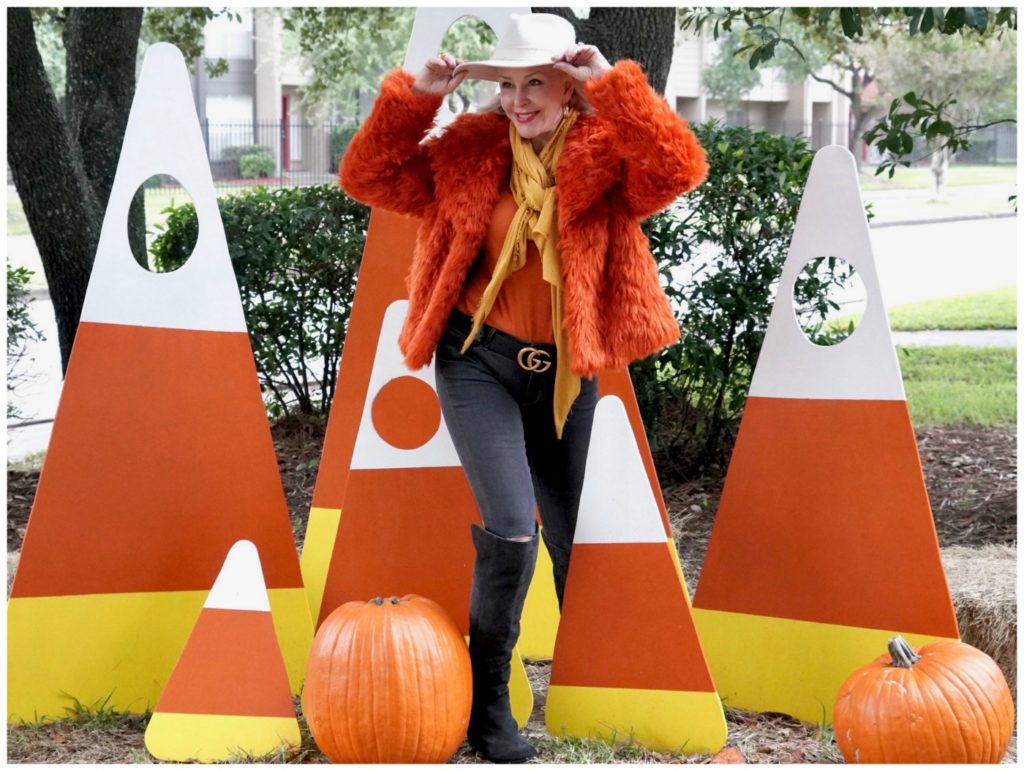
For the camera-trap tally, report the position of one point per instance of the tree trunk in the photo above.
(59, 203)
(646, 35)
(101, 45)
(63, 165)
(861, 116)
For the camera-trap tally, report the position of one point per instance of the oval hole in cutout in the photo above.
(829, 300)
(162, 192)
(470, 38)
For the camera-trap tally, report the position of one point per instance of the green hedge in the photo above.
(296, 253)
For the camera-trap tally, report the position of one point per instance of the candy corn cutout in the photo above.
(824, 545)
(228, 696)
(160, 458)
(628, 663)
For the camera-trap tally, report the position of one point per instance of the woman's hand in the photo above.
(436, 76)
(582, 62)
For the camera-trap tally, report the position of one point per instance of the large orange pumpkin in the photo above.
(947, 703)
(388, 681)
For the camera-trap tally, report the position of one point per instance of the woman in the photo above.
(530, 275)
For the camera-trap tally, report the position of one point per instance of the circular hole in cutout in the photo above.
(406, 412)
(172, 226)
(470, 39)
(829, 300)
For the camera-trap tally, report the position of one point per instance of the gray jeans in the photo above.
(500, 419)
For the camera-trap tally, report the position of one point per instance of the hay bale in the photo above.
(12, 565)
(983, 583)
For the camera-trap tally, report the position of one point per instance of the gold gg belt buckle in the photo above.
(534, 359)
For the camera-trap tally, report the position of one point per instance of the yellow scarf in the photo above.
(533, 188)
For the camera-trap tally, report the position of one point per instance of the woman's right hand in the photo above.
(436, 76)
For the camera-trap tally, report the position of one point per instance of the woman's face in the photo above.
(534, 100)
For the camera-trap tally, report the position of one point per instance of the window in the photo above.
(229, 119)
(229, 39)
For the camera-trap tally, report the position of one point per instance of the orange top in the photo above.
(523, 306)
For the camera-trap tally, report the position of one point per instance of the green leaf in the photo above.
(927, 21)
(915, 15)
(977, 18)
(851, 22)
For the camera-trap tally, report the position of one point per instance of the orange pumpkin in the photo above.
(948, 703)
(388, 681)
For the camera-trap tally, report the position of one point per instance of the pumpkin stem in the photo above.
(377, 600)
(394, 600)
(902, 654)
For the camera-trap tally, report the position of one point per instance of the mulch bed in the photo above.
(971, 474)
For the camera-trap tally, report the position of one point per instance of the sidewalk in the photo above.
(976, 338)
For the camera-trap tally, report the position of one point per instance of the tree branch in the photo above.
(829, 82)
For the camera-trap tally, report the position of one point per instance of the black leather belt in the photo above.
(532, 357)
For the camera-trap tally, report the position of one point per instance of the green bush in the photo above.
(235, 152)
(295, 253)
(21, 331)
(721, 257)
(254, 165)
(340, 137)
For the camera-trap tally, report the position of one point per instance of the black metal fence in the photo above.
(276, 154)
(991, 145)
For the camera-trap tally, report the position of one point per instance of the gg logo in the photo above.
(536, 360)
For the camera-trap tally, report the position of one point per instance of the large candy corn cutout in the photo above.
(161, 456)
(627, 661)
(228, 696)
(824, 544)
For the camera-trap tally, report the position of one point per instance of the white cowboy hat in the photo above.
(529, 40)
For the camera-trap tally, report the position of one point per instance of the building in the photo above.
(810, 108)
(258, 103)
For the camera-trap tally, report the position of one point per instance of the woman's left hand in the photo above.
(582, 62)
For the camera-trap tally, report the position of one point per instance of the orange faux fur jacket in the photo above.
(629, 159)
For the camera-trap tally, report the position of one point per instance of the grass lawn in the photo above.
(921, 177)
(995, 309)
(947, 385)
(992, 309)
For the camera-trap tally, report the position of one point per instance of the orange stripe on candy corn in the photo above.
(839, 541)
(405, 531)
(149, 386)
(231, 665)
(627, 632)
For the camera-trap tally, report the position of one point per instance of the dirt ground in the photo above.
(971, 475)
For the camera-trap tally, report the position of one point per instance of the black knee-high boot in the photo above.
(559, 566)
(501, 576)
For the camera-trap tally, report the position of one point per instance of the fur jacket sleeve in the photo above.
(398, 179)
